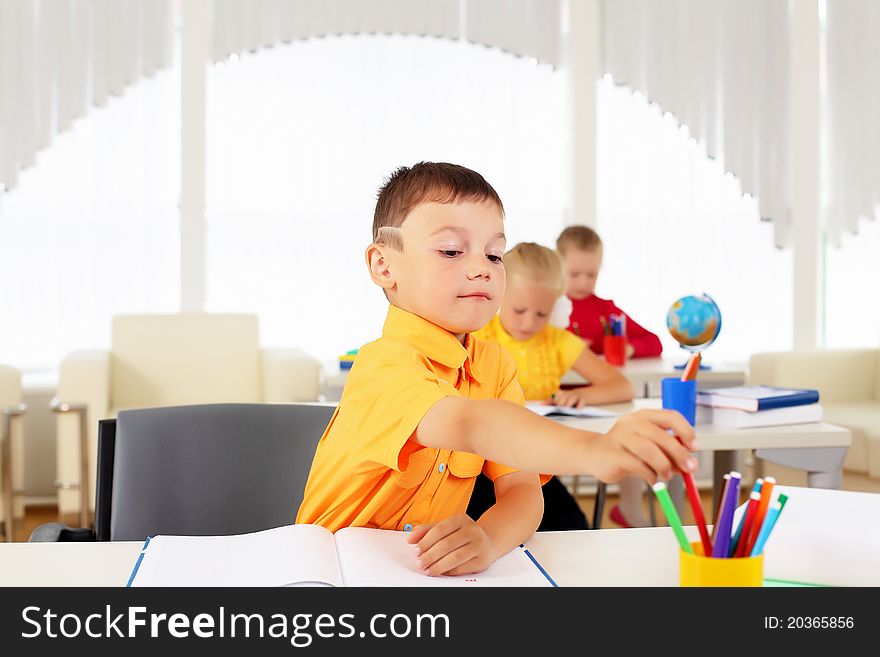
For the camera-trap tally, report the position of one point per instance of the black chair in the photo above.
(210, 469)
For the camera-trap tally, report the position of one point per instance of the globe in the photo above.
(694, 322)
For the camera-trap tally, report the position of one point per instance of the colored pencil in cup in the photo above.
(604, 323)
(725, 520)
(672, 516)
(737, 536)
(739, 548)
(697, 509)
(769, 522)
(782, 499)
(766, 497)
(725, 480)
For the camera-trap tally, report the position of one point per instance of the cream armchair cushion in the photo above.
(10, 398)
(172, 360)
(848, 381)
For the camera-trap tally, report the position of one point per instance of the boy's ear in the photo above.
(379, 266)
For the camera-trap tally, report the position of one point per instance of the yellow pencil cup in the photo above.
(697, 570)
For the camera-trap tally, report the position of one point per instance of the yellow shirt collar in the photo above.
(435, 342)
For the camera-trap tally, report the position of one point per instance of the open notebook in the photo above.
(549, 410)
(310, 555)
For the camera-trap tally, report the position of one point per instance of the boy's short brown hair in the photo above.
(427, 182)
(582, 238)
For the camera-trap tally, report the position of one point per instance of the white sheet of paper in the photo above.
(586, 411)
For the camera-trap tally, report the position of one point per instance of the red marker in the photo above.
(690, 373)
(766, 495)
(751, 509)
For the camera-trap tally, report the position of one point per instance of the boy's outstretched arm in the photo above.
(637, 444)
(457, 545)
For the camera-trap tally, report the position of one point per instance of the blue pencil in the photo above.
(725, 521)
(769, 521)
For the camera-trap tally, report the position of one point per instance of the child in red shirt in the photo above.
(581, 251)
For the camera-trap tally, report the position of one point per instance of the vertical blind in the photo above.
(721, 68)
(529, 28)
(59, 57)
(853, 108)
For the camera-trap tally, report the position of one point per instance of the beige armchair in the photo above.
(11, 450)
(165, 360)
(848, 381)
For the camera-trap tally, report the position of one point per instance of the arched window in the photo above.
(301, 136)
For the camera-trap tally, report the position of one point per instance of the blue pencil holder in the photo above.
(680, 396)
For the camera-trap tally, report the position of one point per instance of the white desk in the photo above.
(645, 374)
(822, 538)
(818, 447)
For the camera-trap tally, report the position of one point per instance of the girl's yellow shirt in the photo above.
(541, 360)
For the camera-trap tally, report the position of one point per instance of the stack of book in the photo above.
(758, 406)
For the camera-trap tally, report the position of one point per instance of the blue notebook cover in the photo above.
(757, 398)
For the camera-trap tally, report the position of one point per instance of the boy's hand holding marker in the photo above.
(639, 444)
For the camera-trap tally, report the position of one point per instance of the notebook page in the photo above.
(289, 555)
(585, 411)
(381, 557)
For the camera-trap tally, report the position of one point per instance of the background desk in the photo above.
(645, 375)
(818, 447)
(822, 537)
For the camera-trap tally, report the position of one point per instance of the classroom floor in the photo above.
(37, 515)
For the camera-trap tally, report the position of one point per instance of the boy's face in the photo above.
(450, 271)
(526, 308)
(581, 272)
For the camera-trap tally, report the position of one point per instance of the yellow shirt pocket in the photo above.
(465, 464)
(417, 470)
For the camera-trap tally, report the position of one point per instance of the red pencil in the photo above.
(751, 509)
(697, 508)
(690, 372)
(766, 495)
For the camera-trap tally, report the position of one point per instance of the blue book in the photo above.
(756, 398)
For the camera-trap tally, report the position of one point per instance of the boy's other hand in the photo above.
(454, 546)
(639, 444)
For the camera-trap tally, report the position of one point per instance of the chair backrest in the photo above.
(204, 470)
(162, 360)
(840, 375)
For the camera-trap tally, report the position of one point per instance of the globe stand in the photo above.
(702, 367)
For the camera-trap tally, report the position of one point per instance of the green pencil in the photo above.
(782, 499)
(672, 516)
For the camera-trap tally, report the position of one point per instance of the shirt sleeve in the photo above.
(569, 348)
(387, 404)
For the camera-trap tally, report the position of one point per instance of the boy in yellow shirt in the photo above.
(427, 406)
(543, 353)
